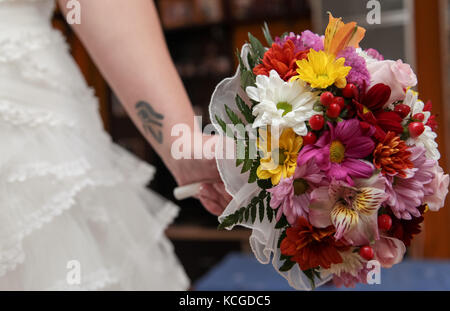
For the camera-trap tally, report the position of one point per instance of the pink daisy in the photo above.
(405, 195)
(339, 152)
(292, 195)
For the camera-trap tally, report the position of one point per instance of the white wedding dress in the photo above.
(67, 193)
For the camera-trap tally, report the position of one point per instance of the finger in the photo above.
(224, 197)
(209, 193)
(211, 206)
(220, 187)
(212, 193)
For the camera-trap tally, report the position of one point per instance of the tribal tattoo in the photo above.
(151, 120)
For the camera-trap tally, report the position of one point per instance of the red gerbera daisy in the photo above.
(281, 59)
(311, 247)
(370, 109)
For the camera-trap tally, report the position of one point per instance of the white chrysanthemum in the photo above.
(427, 140)
(428, 137)
(369, 59)
(281, 103)
(416, 105)
(351, 263)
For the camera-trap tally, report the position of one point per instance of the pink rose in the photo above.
(396, 74)
(437, 189)
(389, 251)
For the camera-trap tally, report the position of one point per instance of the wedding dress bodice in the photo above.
(33, 60)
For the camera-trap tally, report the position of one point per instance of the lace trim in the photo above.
(97, 280)
(68, 169)
(20, 116)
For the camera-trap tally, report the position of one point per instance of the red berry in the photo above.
(428, 106)
(340, 101)
(402, 110)
(334, 110)
(326, 98)
(350, 90)
(416, 129)
(309, 139)
(317, 122)
(384, 222)
(366, 252)
(419, 117)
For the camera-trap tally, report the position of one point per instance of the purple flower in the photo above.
(374, 54)
(359, 74)
(292, 195)
(340, 152)
(307, 40)
(405, 195)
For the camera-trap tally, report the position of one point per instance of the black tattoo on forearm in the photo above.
(151, 120)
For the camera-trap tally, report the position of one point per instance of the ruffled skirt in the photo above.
(75, 213)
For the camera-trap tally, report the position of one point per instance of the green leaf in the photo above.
(247, 161)
(247, 214)
(247, 79)
(239, 161)
(267, 34)
(233, 116)
(310, 274)
(269, 210)
(281, 238)
(241, 215)
(222, 123)
(224, 127)
(264, 183)
(230, 220)
(261, 210)
(287, 265)
(282, 223)
(257, 49)
(244, 109)
(241, 62)
(253, 177)
(247, 166)
(252, 60)
(284, 35)
(253, 213)
(317, 274)
(318, 107)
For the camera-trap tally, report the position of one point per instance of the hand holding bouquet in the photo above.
(341, 166)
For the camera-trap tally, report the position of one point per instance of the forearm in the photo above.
(126, 42)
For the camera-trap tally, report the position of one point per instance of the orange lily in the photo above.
(338, 35)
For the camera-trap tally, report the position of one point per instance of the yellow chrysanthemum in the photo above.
(322, 70)
(279, 161)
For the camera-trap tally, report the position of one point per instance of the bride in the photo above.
(70, 199)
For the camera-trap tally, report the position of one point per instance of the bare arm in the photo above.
(126, 41)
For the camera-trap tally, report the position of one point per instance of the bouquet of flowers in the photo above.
(337, 163)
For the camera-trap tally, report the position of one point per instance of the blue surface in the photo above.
(243, 272)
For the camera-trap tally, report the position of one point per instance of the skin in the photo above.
(126, 41)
